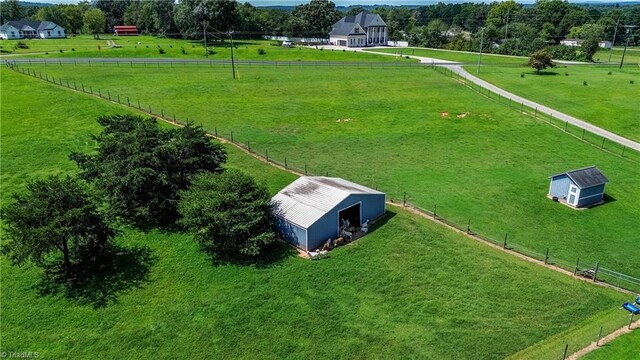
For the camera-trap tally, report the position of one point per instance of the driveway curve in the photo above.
(459, 70)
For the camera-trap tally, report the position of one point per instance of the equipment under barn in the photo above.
(314, 209)
(578, 188)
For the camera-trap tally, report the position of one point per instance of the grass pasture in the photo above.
(490, 164)
(409, 289)
(625, 347)
(147, 47)
(457, 56)
(609, 100)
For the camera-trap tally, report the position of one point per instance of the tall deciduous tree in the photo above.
(94, 22)
(314, 19)
(141, 168)
(55, 222)
(540, 60)
(229, 214)
(215, 15)
(11, 10)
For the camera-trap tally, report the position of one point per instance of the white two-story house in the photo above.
(360, 30)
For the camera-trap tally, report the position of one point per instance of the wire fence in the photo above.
(592, 270)
(574, 342)
(587, 136)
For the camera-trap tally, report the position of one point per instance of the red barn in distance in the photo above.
(125, 30)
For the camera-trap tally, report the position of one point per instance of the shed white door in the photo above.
(573, 195)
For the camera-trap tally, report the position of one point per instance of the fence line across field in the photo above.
(596, 272)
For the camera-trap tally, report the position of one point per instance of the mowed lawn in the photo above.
(482, 162)
(457, 56)
(410, 288)
(625, 347)
(609, 100)
(148, 47)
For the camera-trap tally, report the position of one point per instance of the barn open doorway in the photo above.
(352, 214)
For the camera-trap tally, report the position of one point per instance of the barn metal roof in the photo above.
(308, 198)
(586, 177)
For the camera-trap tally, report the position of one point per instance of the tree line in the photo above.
(502, 27)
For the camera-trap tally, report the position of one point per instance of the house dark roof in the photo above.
(586, 177)
(346, 25)
(23, 25)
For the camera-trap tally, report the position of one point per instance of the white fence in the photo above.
(398, 43)
(297, 39)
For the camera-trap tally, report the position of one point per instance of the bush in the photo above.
(184, 52)
(46, 53)
(193, 46)
(261, 51)
(161, 51)
(522, 75)
(609, 73)
(171, 46)
(21, 45)
(147, 46)
(73, 49)
(61, 51)
(566, 73)
(211, 52)
(584, 83)
(563, 52)
(631, 82)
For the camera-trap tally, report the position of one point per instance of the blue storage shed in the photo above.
(578, 188)
(309, 210)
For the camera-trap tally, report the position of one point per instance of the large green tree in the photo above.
(229, 214)
(192, 16)
(540, 60)
(314, 19)
(94, 22)
(56, 221)
(11, 10)
(141, 167)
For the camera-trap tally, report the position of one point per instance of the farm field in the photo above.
(482, 162)
(632, 57)
(410, 288)
(147, 47)
(625, 347)
(458, 56)
(608, 101)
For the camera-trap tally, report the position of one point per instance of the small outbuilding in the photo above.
(312, 209)
(125, 30)
(578, 188)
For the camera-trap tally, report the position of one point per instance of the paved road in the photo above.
(458, 69)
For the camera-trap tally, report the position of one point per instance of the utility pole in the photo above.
(233, 64)
(204, 34)
(506, 27)
(481, 44)
(613, 42)
(628, 32)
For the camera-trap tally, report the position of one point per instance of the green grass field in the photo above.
(491, 166)
(625, 347)
(608, 101)
(458, 56)
(147, 47)
(409, 289)
(631, 59)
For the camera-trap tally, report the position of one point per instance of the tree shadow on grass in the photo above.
(272, 255)
(544, 73)
(99, 283)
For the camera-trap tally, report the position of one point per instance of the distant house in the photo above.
(571, 42)
(578, 188)
(605, 44)
(360, 30)
(125, 30)
(27, 29)
(310, 210)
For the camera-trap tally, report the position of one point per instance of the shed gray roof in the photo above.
(36, 25)
(586, 177)
(346, 25)
(308, 198)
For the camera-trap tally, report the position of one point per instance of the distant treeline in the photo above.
(502, 27)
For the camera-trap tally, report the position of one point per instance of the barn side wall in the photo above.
(291, 233)
(560, 186)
